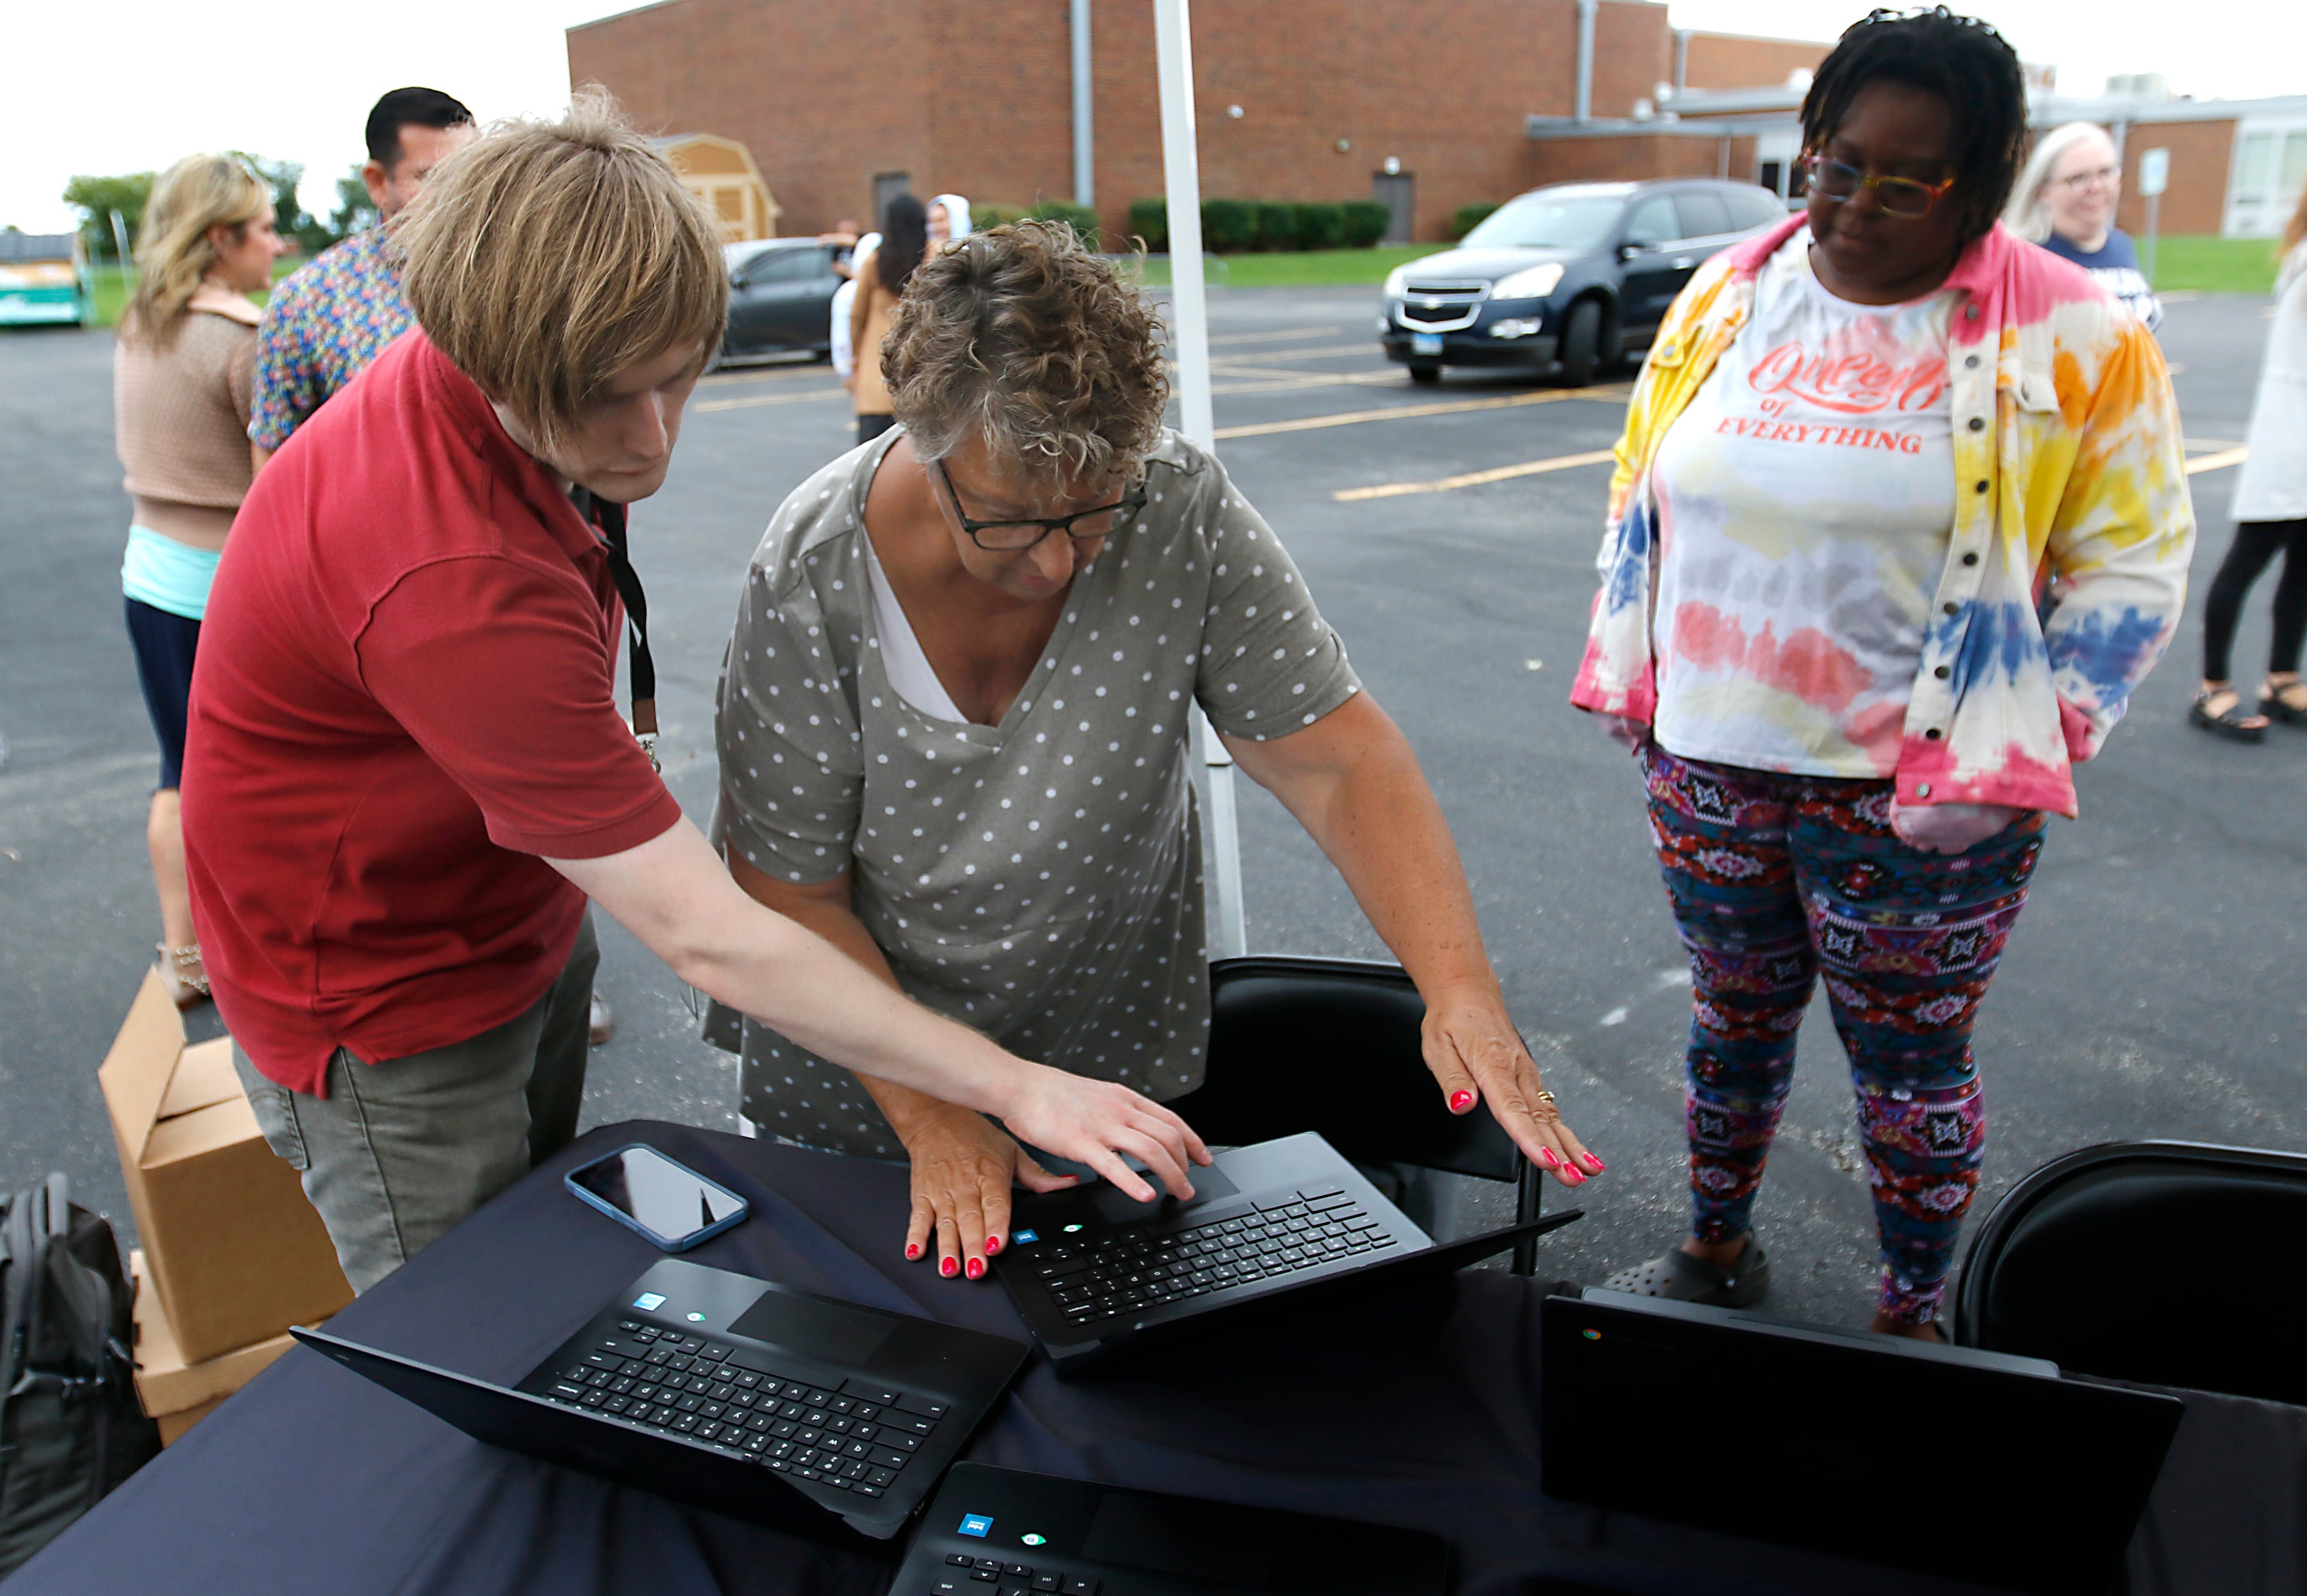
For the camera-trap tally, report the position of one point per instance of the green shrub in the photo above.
(1228, 226)
(1367, 221)
(1467, 218)
(1277, 226)
(1321, 225)
(1150, 219)
(982, 216)
(1081, 219)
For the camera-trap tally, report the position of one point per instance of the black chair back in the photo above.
(2169, 1263)
(1333, 1046)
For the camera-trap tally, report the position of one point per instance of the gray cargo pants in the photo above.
(400, 1150)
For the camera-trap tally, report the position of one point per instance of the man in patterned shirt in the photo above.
(326, 323)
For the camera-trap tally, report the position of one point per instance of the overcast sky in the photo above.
(133, 85)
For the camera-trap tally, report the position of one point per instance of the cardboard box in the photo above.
(177, 1395)
(235, 1252)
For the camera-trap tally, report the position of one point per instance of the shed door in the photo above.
(1397, 192)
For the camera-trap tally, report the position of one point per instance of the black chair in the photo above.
(2168, 1263)
(1333, 1046)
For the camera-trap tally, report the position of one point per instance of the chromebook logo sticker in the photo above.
(649, 1299)
(975, 1523)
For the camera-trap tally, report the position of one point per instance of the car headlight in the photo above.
(1397, 282)
(1534, 283)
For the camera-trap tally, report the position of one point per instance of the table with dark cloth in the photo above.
(314, 1479)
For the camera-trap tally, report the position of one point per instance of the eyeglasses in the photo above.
(1007, 537)
(1908, 198)
(2076, 182)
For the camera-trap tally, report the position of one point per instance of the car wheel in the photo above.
(1582, 343)
(1426, 374)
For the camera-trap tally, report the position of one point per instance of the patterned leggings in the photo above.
(1772, 877)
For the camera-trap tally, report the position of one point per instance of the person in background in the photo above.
(882, 273)
(182, 370)
(408, 776)
(844, 358)
(954, 737)
(1857, 440)
(949, 220)
(2270, 512)
(2065, 199)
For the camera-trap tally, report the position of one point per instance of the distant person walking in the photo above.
(2064, 199)
(182, 373)
(336, 314)
(882, 273)
(949, 220)
(2270, 512)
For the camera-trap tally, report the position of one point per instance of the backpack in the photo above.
(71, 1428)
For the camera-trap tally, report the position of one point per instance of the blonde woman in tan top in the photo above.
(183, 373)
(882, 273)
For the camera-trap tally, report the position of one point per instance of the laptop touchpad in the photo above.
(814, 1328)
(1116, 1206)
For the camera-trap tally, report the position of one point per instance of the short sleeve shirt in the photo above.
(1039, 880)
(322, 328)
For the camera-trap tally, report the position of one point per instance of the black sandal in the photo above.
(2275, 707)
(2229, 722)
(1680, 1278)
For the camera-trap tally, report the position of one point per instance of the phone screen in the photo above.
(665, 1199)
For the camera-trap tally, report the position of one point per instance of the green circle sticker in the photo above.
(1035, 1540)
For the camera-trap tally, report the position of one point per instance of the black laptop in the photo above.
(998, 1533)
(1825, 1439)
(1280, 1225)
(772, 1404)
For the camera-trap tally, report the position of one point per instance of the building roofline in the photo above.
(619, 16)
(2043, 110)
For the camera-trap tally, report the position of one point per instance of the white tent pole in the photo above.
(1189, 328)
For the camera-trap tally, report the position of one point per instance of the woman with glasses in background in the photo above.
(2064, 199)
(1854, 445)
(954, 736)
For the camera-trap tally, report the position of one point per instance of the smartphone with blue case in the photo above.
(666, 1202)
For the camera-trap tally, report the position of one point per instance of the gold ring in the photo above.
(1546, 1097)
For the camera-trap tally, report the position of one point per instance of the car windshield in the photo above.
(1547, 221)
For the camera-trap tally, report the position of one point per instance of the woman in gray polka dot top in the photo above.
(953, 733)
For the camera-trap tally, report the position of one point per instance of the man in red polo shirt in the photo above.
(406, 772)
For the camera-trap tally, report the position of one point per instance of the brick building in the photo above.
(1425, 104)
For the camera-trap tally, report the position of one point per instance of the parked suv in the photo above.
(1565, 279)
(780, 297)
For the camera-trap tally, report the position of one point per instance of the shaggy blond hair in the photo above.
(544, 258)
(1022, 336)
(173, 249)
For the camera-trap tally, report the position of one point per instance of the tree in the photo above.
(97, 198)
(288, 214)
(354, 208)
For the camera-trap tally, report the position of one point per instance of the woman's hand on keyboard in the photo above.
(1100, 1123)
(963, 1165)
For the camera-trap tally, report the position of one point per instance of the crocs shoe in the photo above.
(1681, 1278)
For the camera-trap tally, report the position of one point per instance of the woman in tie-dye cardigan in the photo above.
(1850, 718)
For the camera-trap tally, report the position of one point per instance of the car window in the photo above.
(1653, 221)
(1703, 214)
(1546, 221)
(1757, 208)
(783, 266)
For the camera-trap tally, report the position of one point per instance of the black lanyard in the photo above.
(611, 519)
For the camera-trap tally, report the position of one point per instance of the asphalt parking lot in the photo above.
(2151, 990)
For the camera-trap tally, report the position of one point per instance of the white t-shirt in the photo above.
(1806, 504)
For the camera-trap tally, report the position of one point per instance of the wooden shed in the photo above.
(721, 172)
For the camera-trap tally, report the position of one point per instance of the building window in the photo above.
(2269, 169)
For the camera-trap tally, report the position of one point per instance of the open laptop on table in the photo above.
(1822, 1439)
(826, 1419)
(1281, 1224)
(999, 1533)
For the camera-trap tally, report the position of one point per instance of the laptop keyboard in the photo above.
(964, 1575)
(857, 1439)
(1123, 1272)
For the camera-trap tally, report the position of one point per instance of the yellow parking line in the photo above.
(2201, 444)
(1271, 337)
(1308, 423)
(771, 398)
(2216, 462)
(763, 373)
(1369, 346)
(1391, 490)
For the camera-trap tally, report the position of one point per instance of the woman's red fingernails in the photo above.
(993, 1245)
(948, 1268)
(913, 1251)
(976, 1268)
(1460, 1102)
(1572, 1177)
(1546, 1156)
(1595, 1165)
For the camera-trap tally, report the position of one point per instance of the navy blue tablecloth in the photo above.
(314, 1479)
